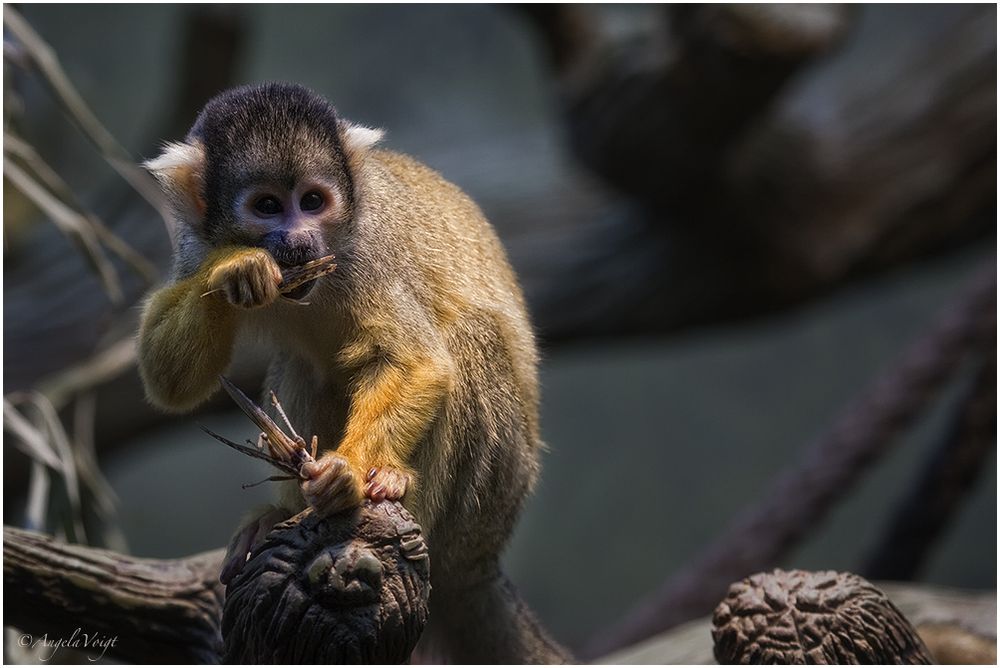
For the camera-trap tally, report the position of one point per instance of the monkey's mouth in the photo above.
(299, 280)
(300, 292)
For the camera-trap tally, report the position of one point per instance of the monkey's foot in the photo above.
(332, 485)
(248, 537)
(386, 483)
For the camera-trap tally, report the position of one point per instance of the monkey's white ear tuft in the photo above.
(179, 170)
(175, 155)
(358, 138)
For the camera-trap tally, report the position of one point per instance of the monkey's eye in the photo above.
(267, 205)
(311, 201)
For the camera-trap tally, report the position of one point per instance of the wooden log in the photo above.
(158, 610)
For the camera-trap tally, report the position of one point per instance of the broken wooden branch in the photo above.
(352, 588)
(160, 610)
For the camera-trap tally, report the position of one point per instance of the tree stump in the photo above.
(351, 588)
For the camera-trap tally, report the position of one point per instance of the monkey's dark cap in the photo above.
(283, 104)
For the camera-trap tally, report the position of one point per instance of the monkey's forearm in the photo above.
(185, 342)
(392, 406)
(188, 329)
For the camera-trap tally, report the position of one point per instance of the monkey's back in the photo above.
(481, 456)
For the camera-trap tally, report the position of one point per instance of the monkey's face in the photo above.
(290, 219)
(264, 166)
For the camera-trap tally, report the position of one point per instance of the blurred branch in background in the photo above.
(77, 226)
(77, 368)
(28, 172)
(66, 340)
(803, 494)
(82, 497)
(948, 477)
(168, 610)
(45, 62)
(58, 188)
(764, 156)
(46, 429)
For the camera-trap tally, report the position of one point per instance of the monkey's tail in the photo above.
(487, 623)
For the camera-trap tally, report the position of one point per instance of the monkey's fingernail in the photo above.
(371, 473)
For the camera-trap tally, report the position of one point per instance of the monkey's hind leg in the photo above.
(490, 623)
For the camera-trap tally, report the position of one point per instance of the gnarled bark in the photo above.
(348, 589)
(796, 617)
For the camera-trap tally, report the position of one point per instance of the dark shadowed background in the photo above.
(726, 224)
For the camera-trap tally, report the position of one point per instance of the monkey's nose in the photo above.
(291, 249)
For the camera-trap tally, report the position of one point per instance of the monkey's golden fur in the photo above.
(414, 358)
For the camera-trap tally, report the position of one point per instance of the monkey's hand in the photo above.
(248, 278)
(332, 484)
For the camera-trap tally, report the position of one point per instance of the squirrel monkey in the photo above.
(414, 362)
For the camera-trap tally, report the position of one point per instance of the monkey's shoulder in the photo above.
(396, 180)
(402, 167)
(435, 238)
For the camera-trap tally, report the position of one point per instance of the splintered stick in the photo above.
(293, 277)
(286, 453)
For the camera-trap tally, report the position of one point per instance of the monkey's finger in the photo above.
(332, 487)
(375, 492)
(251, 291)
(386, 483)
